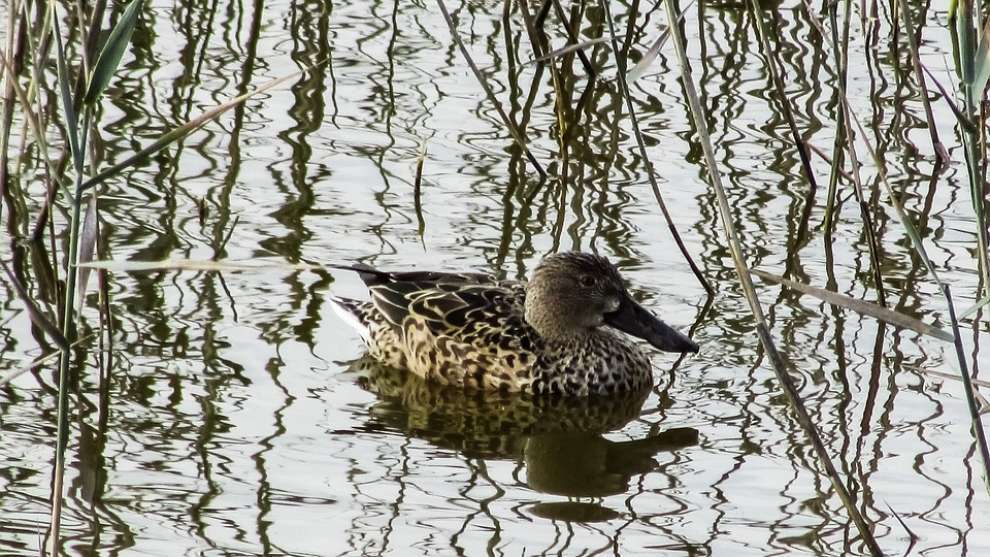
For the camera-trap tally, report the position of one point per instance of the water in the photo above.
(240, 420)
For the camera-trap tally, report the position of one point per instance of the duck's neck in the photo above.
(553, 324)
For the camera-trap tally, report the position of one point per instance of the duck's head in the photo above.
(572, 293)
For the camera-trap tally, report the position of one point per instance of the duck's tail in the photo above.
(354, 313)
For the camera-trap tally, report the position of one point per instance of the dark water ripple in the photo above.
(238, 424)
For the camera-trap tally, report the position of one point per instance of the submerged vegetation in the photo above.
(595, 65)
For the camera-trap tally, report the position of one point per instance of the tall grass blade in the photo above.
(975, 406)
(981, 66)
(29, 115)
(113, 51)
(65, 92)
(513, 130)
(639, 70)
(967, 37)
(746, 282)
(966, 123)
(968, 56)
(860, 306)
(650, 173)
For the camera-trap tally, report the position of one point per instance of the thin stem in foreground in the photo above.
(624, 86)
(742, 270)
(520, 140)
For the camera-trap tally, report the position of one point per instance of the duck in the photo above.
(561, 333)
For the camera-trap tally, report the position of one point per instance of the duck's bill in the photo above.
(635, 320)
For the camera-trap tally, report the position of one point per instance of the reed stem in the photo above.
(746, 282)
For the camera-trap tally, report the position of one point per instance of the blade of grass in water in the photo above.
(650, 173)
(639, 70)
(968, 60)
(113, 51)
(981, 70)
(520, 140)
(742, 272)
(68, 308)
(7, 378)
(860, 306)
(977, 382)
(567, 49)
(963, 120)
(975, 308)
(64, 80)
(34, 312)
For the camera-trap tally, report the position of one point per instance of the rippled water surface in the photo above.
(239, 417)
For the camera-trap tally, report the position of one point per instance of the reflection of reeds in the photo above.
(624, 88)
(781, 367)
(50, 284)
(80, 100)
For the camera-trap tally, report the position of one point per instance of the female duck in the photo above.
(556, 334)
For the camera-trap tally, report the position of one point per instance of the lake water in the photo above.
(240, 419)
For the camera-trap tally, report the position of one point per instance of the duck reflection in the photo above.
(559, 440)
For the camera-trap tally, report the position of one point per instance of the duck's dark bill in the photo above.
(634, 319)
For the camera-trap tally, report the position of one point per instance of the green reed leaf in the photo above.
(981, 65)
(965, 34)
(113, 51)
(65, 91)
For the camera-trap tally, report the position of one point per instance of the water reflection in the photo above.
(223, 422)
(585, 464)
(560, 441)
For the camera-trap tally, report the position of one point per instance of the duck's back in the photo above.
(455, 329)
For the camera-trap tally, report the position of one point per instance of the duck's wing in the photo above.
(445, 308)
(468, 336)
(375, 277)
(443, 301)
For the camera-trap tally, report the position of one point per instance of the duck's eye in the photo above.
(587, 281)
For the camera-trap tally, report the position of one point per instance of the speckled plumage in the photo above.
(476, 332)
